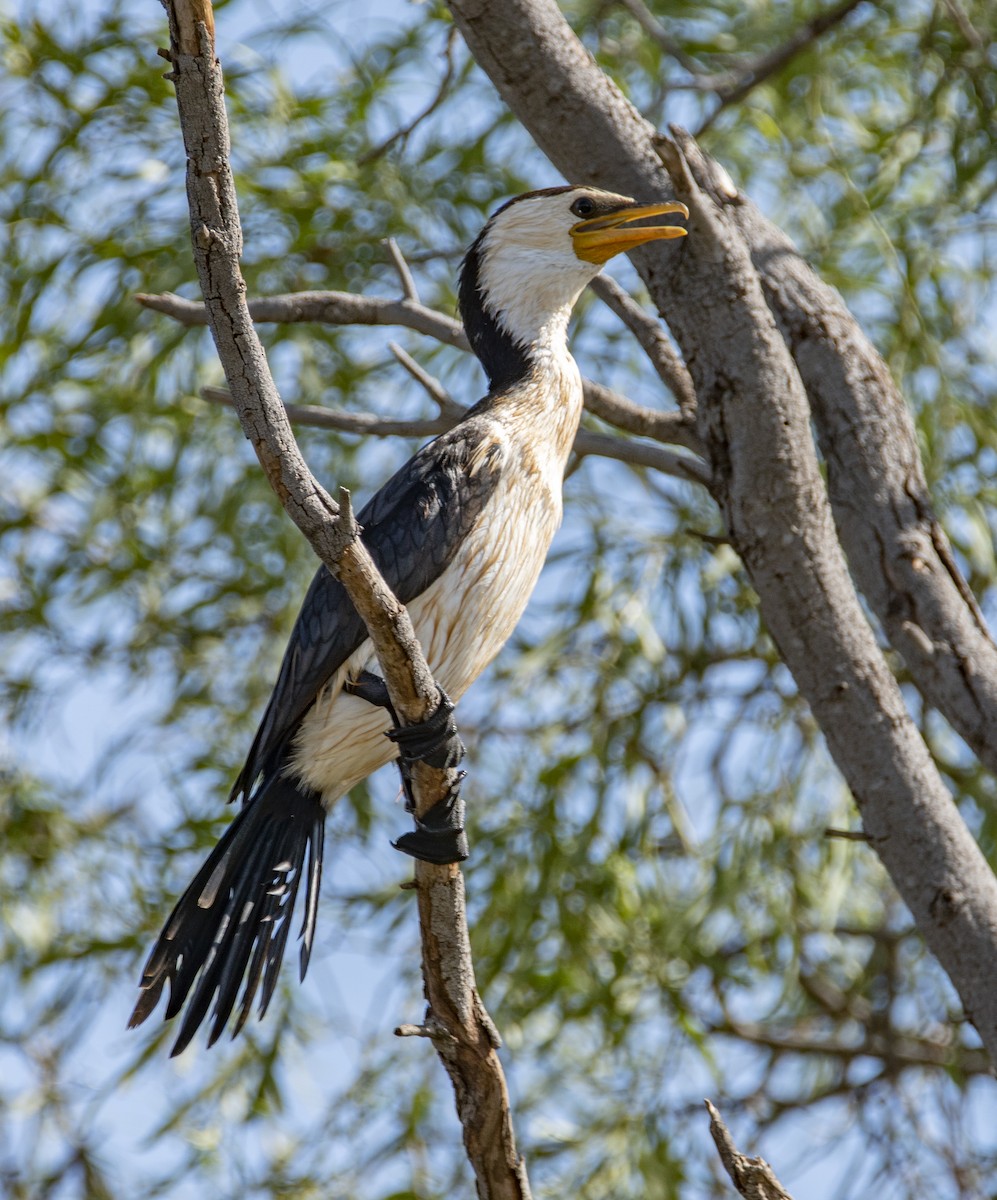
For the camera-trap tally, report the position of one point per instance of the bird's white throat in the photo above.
(530, 293)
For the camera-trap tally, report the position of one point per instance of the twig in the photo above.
(892, 1046)
(966, 26)
(672, 428)
(767, 65)
(640, 454)
(734, 84)
(317, 417)
(670, 368)
(323, 308)
(434, 1032)
(848, 835)
(753, 1177)
(431, 107)
(482, 1099)
(658, 33)
(447, 405)
(409, 290)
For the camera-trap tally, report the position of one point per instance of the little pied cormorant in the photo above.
(460, 534)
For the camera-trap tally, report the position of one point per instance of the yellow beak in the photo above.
(598, 239)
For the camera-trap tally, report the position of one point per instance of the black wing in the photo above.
(412, 527)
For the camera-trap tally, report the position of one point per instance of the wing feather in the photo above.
(412, 527)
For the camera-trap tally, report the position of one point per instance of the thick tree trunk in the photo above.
(754, 418)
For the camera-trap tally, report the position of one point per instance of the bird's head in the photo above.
(530, 263)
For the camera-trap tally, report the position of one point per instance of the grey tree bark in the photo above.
(763, 339)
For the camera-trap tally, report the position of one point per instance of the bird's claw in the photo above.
(433, 741)
(439, 835)
(372, 688)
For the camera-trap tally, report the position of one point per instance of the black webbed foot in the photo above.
(439, 835)
(433, 741)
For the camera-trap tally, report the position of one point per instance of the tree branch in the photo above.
(658, 33)
(636, 454)
(897, 1050)
(471, 1060)
(672, 428)
(409, 290)
(734, 84)
(431, 107)
(766, 480)
(896, 546)
(670, 368)
(755, 421)
(343, 308)
(316, 416)
(753, 1177)
(750, 75)
(324, 308)
(431, 386)
(641, 454)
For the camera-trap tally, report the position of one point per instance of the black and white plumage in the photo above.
(460, 534)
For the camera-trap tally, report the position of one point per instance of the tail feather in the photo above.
(232, 922)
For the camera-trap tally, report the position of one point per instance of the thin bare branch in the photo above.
(406, 130)
(409, 290)
(753, 1177)
(898, 1049)
(323, 308)
(616, 409)
(847, 835)
(367, 424)
(966, 26)
(658, 33)
(637, 454)
(750, 75)
(471, 1061)
(735, 83)
(654, 341)
(641, 454)
(423, 1031)
(447, 405)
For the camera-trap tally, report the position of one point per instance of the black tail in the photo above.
(233, 920)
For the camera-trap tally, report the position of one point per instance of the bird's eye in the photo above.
(583, 207)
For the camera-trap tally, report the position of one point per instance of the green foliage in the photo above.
(656, 912)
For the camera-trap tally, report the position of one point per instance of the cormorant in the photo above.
(460, 534)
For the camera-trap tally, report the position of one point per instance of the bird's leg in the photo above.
(439, 835)
(373, 689)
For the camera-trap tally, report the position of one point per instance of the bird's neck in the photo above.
(516, 317)
(540, 413)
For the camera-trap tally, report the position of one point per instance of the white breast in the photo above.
(462, 621)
